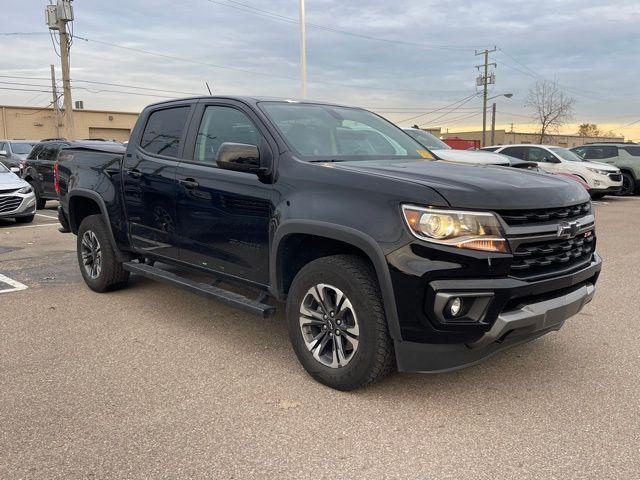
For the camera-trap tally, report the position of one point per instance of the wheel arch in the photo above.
(83, 203)
(290, 233)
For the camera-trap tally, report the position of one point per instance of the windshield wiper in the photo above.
(331, 160)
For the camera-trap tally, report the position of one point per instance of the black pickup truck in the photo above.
(385, 257)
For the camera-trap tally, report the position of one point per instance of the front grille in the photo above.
(8, 204)
(11, 190)
(616, 177)
(542, 258)
(520, 217)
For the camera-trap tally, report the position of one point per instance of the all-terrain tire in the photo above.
(355, 277)
(111, 275)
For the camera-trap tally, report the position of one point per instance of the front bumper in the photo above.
(536, 308)
(608, 190)
(15, 204)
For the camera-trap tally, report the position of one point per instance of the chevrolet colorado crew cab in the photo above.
(385, 257)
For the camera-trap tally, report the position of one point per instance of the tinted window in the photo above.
(490, 149)
(48, 152)
(220, 125)
(601, 151)
(635, 151)
(517, 152)
(428, 140)
(3, 146)
(163, 133)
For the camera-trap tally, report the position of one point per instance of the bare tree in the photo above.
(550, 107)
(589, 130)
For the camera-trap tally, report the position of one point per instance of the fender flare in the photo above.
(347, 235)
(90, 194)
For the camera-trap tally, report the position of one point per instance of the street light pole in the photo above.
(493, 123)
(303, 52)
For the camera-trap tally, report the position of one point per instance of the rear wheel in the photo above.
(40, 202)
(628, 184)
(99, 266)
(337, 324)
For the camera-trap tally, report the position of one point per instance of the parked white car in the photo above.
(17, 199)
(602, 179)
(446, 153)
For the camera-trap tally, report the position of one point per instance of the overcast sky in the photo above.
(591, 48)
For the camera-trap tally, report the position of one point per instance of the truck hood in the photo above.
(472, 156)
(476, 186)
(9, 180)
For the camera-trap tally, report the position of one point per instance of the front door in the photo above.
(149, 182)
(545, 159)
(224, 215)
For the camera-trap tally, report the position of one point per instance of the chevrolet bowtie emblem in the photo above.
(568, 230)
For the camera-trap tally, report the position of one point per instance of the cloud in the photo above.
(587, 47)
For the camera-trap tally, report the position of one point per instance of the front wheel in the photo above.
(99, 265)
(628, 185)
(337, 323)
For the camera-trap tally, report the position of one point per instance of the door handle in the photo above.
(135, 173)
(189, 183)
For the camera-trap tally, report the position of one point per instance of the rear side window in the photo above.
(601, 151)
(48, 152)
(635, 151)
(490, 149)
(516, 152)
(163, 132)
(35, 151)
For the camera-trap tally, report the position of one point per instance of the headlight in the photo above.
(601, 172)
(472, 230)
(26, 189)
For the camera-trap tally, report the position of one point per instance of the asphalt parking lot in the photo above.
(153, 382)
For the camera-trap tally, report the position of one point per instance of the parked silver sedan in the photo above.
(17, 199)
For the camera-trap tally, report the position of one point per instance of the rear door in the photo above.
(224, 215)
(515, 152)
(149, 180)
(44, 168)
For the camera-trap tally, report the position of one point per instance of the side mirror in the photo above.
(239, 157)
(3, 153)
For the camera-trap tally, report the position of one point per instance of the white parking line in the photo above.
(39, 225)
(16, 285)
(46, 216)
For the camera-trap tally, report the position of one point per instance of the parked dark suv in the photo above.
(385, 257)
(41, 166)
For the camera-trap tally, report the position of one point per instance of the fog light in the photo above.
(455, 306)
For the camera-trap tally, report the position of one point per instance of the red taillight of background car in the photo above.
(56, 183)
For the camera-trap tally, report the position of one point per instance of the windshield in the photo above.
(427, 139)
(3, 169)
(21, 148)
(565, 154)
(323, 132)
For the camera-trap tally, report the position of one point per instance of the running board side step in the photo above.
(230, 298)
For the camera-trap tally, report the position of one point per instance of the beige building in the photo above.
(505, 137)
(33, 123)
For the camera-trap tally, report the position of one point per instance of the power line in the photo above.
(460, 102)
(276, 16)
(251, 72)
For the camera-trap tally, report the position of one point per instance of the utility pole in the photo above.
(493, 123)
(56, 106)
(484, 80)
(303, 52)
(57, 16)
